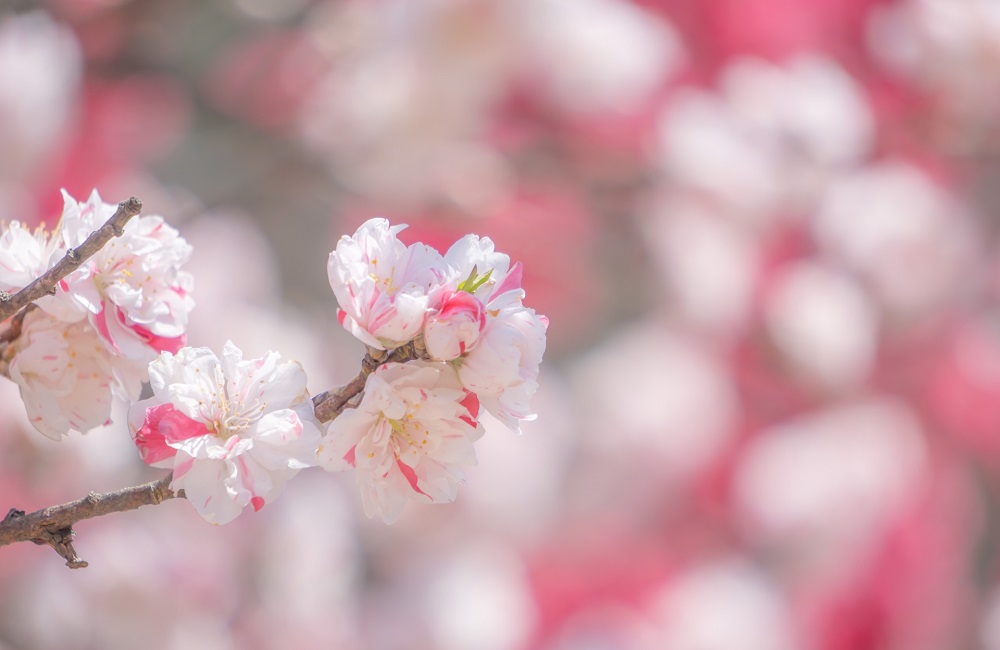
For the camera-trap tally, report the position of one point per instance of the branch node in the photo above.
(419, 347)
(329, 404)
(377, 355)
(131, 204)
(72, 255)
(5, 296)
(156, 494)
(61, 540)
(54, 526)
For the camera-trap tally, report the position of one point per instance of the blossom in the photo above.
(232, 430)
(64, 374)
(466, 305)
(455, 327)
(407, 439)
(502, 369)
(93, 337)
(497, 356)
(383, 287)
(473, 274)
(133, 289)
(390, 294)
(480, 269)
(24, 256)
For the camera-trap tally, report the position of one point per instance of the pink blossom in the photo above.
(232, 430)
(481, 270)
(502, 369)
(107, 319)
(496, 342)
(455, 327)
(133, 289)
(383, 287)
(407, 439)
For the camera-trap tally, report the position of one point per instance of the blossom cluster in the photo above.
(415, 426)
(774, 423)
(234, 431)
(106, 320)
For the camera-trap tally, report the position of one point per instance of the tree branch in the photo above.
(71, 261)
(54, 525)
(329, 405)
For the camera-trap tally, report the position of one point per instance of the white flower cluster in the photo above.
(107, 320)
(416, 423)
(234, 431)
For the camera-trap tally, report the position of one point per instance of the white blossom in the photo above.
(383, 287)
(232, 430)
(133, 289)
(408, 438)
(64, 374)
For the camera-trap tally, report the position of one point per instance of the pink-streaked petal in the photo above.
(510, 283)
(206, 487)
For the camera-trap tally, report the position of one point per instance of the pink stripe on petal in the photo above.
(174, 425)
(101, 324)
(163, 425)
(159, 343)
(471, 403)
(183, 467)
(511, 281)
(374, 298)
(410, 475)
(380, 319)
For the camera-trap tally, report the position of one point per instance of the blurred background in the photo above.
(765, 233)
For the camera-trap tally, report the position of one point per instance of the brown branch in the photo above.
(329, 405)
(71, 261)
(54, 525)
(14, 330)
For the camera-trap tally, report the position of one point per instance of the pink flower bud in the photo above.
(455, 329)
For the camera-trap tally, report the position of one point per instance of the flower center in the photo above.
(409, 431)
(232, 416)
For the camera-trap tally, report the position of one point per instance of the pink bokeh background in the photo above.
(765, 235)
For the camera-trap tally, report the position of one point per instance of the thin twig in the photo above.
(329, 405)
(71, 261)
(54, 525)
